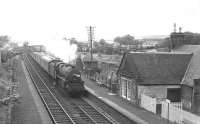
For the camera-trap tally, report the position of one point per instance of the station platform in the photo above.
(133, 112)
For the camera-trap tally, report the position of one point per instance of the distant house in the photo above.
(157, 74)
(149, 43)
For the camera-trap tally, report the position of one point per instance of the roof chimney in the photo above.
(180, 29)
(174, 27)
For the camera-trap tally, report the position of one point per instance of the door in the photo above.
(197, 95)
(174, 94)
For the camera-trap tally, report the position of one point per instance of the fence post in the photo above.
(168, 103)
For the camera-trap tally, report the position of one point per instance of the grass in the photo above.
(4, 109)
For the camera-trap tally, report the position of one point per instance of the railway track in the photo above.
(56, 111)
(78, 110)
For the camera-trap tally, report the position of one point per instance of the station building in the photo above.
(156, 74)
(173, 75)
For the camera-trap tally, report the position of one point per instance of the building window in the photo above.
(126, 88)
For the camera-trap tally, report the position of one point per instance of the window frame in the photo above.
(126, 88)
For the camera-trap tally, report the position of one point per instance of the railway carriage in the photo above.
(66, 76)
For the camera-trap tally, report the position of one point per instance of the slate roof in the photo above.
(155, 68)
(193, 71)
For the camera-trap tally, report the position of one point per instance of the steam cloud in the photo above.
(62, 49)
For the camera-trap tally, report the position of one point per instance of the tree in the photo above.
(126, 43)
(128, 40)
(96, 47)
(96, 44)
(103, 46)
(4, 39)
(73, 41)
(25, 43)
(191, 38)
(125, 40)
(118, 40)
(102, 42)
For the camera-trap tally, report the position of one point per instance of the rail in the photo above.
(89, 112)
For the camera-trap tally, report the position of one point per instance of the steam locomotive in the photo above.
(66, 76)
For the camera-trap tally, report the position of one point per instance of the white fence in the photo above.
(174, 112)
(148, 103)
(170, 110)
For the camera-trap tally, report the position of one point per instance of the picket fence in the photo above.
(170, 110)
(175, 113)
(148, 103)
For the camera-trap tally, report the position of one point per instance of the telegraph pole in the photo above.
(91, 39)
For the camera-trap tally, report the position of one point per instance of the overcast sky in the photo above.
(38, 20)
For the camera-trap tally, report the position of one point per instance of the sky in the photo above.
(41, 21)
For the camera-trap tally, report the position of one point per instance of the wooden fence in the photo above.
(148, 103)
(175, 113)
(170, 110)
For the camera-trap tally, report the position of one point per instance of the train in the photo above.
(66, 76)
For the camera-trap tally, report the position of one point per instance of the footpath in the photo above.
(133, 112)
